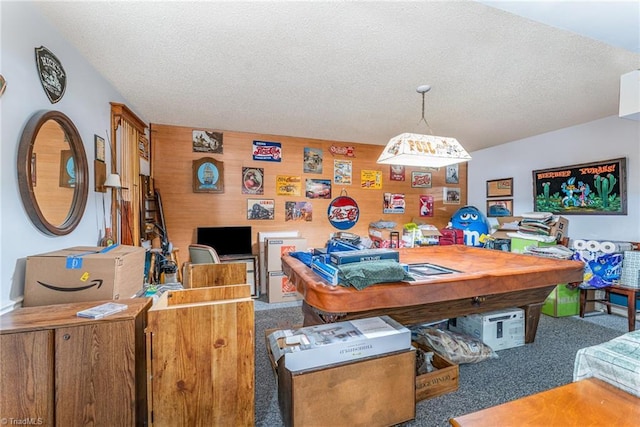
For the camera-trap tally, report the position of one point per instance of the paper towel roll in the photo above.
(592, 246)
(608, 247)
(579, 244)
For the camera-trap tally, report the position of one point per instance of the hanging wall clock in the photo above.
(52, 75)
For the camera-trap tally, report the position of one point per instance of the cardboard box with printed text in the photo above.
(278, 246)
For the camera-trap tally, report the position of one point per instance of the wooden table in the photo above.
(487, 280)
(589, 402)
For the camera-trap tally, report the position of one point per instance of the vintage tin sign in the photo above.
(52, 75)
(267, 151)
(343, 212)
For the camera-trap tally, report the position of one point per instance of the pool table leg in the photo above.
(531, 320)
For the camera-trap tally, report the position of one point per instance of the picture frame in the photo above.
(100, 148)
(451, 195)
(502, 187)
(205, 141)
(67, 169)
(208, 175)
(499, 207)
(144, 148)
(451, 174)
(595, 188)
(252, 180)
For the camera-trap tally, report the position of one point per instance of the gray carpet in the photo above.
(544, 364)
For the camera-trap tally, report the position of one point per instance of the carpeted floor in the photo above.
(546, 363)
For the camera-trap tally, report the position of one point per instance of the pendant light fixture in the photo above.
(412, 149)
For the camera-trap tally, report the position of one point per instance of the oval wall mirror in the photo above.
(52, 173)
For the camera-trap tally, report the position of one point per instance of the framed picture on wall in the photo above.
(100, 148)
(208, 176)
(204, 141)
(67, 169)
(596, 188)
(451, 195)
(500, 187)
(451, 174)
(499, 207)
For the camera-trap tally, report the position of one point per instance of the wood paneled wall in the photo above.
(184, 210)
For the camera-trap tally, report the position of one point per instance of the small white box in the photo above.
(278, 246)
(339, 342)
(499, 329)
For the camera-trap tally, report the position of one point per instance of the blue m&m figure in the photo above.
(473, 223)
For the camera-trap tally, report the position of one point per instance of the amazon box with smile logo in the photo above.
(84, 273)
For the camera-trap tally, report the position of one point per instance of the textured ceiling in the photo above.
(347, 71)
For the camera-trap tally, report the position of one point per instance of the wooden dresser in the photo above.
(58, 369)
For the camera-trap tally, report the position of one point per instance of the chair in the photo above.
(632, 294)
(203, 254)
(205, 269)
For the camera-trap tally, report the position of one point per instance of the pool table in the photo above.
(484, 280)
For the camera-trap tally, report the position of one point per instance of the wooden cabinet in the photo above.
(58, 369)
(200, 344)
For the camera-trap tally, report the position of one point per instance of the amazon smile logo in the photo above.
(97, 282)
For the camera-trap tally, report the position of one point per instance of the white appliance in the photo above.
(499, 329)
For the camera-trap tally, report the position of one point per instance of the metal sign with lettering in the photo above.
(52, 75)
(343, 212)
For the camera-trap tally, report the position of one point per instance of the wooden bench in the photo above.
(587, 402)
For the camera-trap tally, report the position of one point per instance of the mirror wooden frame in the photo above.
(26, 175)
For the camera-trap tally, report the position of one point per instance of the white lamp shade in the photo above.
(113, 181)
(411, 149)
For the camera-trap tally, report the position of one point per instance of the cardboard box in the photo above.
(262, 255)
(321, 345)
(84, 274)
(500, 329)
(506, 224)
(280, 289)
(346, 257)
(509, 224)
(381, 233)
(278, 246)
(375, 391)
(560, 229)
(441, 381)
(562, 302)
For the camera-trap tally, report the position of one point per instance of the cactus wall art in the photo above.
(597, 188)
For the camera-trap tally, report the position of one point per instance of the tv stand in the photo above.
(251, 261)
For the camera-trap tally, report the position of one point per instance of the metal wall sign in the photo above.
(343, 212)
(52, 75)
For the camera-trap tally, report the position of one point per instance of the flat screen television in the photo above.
(226, 240)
